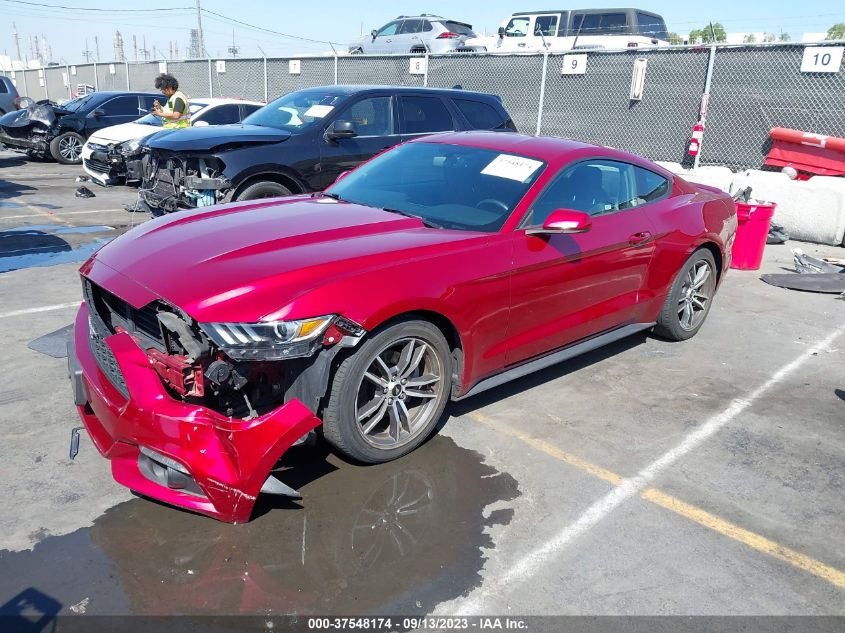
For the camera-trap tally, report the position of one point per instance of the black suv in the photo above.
(46, 129)
(302, 142)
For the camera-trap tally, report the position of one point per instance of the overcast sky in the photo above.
(341, 21)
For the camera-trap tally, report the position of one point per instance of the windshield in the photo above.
(151, 119)
(452, 186)
(296, 111)
(76, 104)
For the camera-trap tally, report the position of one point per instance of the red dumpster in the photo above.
(754, 221)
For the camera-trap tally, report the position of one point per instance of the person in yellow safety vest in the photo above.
(175, 113)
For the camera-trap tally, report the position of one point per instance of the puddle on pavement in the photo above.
(392, 538)
(44, 245)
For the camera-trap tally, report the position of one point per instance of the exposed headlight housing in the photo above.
(274, 340)
(130, 147)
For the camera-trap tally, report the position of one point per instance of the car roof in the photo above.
(588, 11)
(357, 89)
(551, 149)
(210, 101)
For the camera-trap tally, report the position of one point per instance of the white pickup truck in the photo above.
(558, 31)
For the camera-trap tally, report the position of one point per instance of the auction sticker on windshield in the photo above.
(512, 167)
(318, 111)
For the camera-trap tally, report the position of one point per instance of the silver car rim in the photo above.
(696, 294)
(398, 393)
(70, 148)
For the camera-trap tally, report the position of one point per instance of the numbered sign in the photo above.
(574, 65)
(64, 79)
(221, 66)
(111, 69)
(417, 66)
(294, 67)
(162, 67)
(73, 71)
(822, 59)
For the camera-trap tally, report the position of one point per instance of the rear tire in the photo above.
(67, 148)
(387, 397)
(264, 189)
(690, 297)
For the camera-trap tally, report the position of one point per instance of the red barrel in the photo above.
(754, 221)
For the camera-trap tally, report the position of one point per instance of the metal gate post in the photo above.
(25, 87)
(46, 86)
(67, 74)
(705, 100)
(128, 84)
(542, 92)
(96, 78)
(266, 94)
(335, 68)
(425, 74)
(210, 80)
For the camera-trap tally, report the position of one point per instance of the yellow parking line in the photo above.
(679, 507)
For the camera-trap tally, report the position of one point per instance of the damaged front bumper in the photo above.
(171, 183)
(33, 143)
(107, 166)
(182, 454)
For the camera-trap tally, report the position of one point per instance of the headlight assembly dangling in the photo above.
(274, 340)
(129, 147)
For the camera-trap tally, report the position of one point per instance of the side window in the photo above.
(427, 26)
(546, 25)
(147, 103)
(3, 88)
(389, 29)
(121, 106)
(517, 27)
(600, 24)
(481, 116)
(597, 187)
(651, 26)
(650, 186)
(410, 26)
(372, 116)
(420, 115)
(221, 115)
(248, 108)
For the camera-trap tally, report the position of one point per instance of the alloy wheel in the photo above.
(399, 393)
(696, 293)
(70, 148)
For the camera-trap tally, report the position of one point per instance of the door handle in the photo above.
(640, 239)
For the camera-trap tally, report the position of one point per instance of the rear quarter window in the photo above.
(481, 116)
(3, 87)
(650, 186)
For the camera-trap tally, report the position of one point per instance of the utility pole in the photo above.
(199, 31)
(17, 40)
(176, 49)
(234, 50)
(135, 46)
(97, 46)
(86, 53)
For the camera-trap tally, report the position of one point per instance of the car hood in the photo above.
(122, 133)
(245, 261)
(42, 114)
(213, 136)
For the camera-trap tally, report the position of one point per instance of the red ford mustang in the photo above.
(211, 341)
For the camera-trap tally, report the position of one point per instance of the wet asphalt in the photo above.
(511, 471)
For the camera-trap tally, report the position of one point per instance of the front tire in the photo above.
(689, 299)
(388, 396)
(67, 148)
(264, 189)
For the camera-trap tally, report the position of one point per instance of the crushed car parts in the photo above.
(832, 283)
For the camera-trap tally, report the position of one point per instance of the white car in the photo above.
(560, 31)
(111, 156)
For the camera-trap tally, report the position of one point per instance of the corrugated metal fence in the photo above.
(753, 88)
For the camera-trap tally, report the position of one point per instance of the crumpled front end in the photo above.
(30, 130)
(171, 182)
(145, 410)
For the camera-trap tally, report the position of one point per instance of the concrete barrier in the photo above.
(810, 210)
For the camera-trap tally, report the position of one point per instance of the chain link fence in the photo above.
(753, 89)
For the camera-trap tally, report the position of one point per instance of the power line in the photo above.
(261, 28)
(100, 10)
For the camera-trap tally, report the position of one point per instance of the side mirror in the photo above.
(98, 113)
(200, 124)
(501, 31)
(564, 221)
(341, 129)
(374, 33)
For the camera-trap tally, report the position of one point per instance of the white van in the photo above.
(577, 29)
